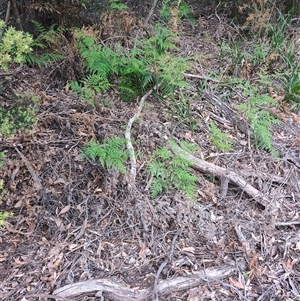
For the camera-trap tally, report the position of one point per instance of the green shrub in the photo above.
(20, 114)
(14, 46)
(260, 119)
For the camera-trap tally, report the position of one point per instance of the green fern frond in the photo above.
(45, 59)
(189, 147)
(180, 163)
(39, 27)
(171, 172)
(260, 119)
(157, 188)
(163, 153)
(157, 169)
(220, 140)
(110, 154)
(97, 82)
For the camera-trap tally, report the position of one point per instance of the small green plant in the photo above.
(184, 11)
(259, 117)
(292, 87)
(2, 157)
(14, 46)
(169, 172)
(20, 114)
(4, 216)
(111, 153)
(116, 5)
(277, 31)
(2, 190)
(219, 139)
(47, 38)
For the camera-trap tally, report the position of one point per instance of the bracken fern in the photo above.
(146, 65)
(110, 154)
(169, 172)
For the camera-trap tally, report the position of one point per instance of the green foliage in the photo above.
(291, 84)
(14, 46)
(146, 65)
(111, 153)
(277, 31)
(116, 5)
(165, 11)
(188, 147)
(47, 38)
(18, 115)
(84, 91)
(4, 216)
(2, 157)
(260, 119)
(169, 172)
(2, 190)
(219, 139)
(184, 11)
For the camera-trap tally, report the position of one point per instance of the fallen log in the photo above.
(118, 291)
(221, 173)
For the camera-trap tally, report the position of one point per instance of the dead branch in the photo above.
(130, 148)
(119, 291)
(34, 175)
(151, 10)
(49, 296)
(222, 173)
(202, 77)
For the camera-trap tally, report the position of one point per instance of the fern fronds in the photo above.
(45, 59)
(110, 154)
(170, 171)
(97, 82)
(146, 65)
(220, 140)
(261, 120)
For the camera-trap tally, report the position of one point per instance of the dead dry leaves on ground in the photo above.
(78, 232)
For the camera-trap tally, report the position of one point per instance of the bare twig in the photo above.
(151, 10)
(130, 148)
(202, 77)
(283, 224)
(34, 175)
(7, 12)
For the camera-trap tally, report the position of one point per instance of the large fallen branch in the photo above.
(221, 173)
(118, 291)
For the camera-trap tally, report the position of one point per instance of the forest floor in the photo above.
(75, 221)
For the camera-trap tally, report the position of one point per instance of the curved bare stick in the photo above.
(221, 172)
(130, 148)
